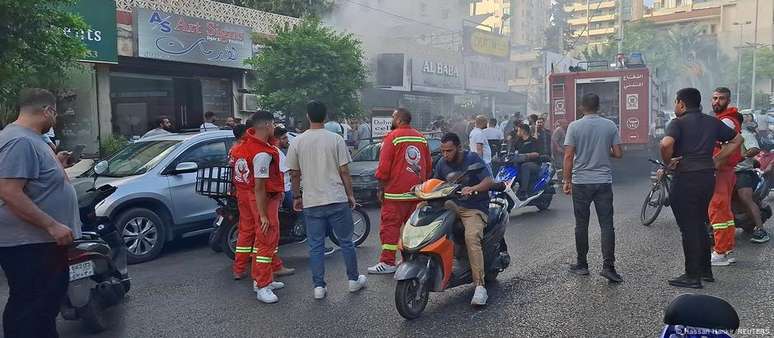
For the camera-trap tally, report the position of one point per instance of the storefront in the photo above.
(175, 66)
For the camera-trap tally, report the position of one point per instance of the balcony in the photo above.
(260, 22)
(595, 32)
(583, 21)
(581, 6)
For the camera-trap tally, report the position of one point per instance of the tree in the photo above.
(558, 35)
(309, 61)
(765, 71)
(294, 8)
(35, 50)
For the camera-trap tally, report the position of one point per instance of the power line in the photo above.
(397, 15)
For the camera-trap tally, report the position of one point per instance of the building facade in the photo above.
(596, 22)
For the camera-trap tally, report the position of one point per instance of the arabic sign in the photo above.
(380, 125)
(635, 91)
(100, 38)
(480, 42)
(173, 37)
(437, 74)
(483, 74)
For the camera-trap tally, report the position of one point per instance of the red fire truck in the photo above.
(627, 96)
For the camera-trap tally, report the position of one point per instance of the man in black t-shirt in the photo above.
(529, 152)
(687, 148)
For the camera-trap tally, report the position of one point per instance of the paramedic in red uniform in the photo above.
(260, 187)
(404, 162)
(720, 215)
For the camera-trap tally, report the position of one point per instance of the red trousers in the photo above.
(253, 242)
(394, 215)
(720, 215)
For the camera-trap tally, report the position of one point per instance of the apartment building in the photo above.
(597, 21)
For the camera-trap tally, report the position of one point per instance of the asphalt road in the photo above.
(188, 292)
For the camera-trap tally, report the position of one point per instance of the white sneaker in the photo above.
(320, 292)
(266, 295)
(382, 269)
(719, 259)
(480, 297)
(273, 286)
(730, 258)
(359, 284)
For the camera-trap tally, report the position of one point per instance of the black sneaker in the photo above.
(578, 269)
(760, 236)
(329, 251)
(708, 277)
(611, 275)
(686, 282)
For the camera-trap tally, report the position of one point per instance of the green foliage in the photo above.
(765, 71)
(112, 145)
(558, 35)
(306, 62)
(34, 50)
(294, 8)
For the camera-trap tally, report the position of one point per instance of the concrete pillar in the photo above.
(104, 110)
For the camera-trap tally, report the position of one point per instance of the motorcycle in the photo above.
(97, 263)
(542, 192)
(215, 182)
(432, 244)
(741, 219)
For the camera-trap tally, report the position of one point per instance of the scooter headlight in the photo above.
(414, 236)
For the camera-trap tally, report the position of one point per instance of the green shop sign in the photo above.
(100, 38)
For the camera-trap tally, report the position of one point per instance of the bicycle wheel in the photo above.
(653, 203)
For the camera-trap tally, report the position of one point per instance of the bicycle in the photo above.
(658, 196)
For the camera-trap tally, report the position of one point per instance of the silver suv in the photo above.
(156, 201)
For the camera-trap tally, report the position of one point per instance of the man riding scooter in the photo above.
(747, 180)
(474, 209)
(529, 154)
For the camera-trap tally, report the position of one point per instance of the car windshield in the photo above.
(369, 153)
(139, 157)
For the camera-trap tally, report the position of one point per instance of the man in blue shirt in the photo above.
(472, 210)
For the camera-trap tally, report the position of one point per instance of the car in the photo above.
(155, 200)
(363, 168)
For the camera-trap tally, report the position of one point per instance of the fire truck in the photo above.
(628, 96)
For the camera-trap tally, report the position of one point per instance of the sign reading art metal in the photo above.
(173, 37)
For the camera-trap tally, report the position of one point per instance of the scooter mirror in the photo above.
(101, 167)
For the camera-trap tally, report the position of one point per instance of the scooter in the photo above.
(542, 192)
(215, 182)
(432, 245)
(97, 263)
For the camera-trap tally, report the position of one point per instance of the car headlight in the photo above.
(413, 236)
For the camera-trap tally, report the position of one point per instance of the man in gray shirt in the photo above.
(38, 219)
(589, 144)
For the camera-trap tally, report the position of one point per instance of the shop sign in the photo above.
(100, 37)
(483, 74)
(437, 74)
(173, 37)
(480, 42)
(381, 125)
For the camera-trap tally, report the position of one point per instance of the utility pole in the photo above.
(588, 22)
(754, 63)
(620, 27)
(739, 59)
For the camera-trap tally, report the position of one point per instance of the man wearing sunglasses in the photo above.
(38, 219)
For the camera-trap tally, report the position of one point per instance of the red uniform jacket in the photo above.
(730, 114)
(402, 148)
(243, 155)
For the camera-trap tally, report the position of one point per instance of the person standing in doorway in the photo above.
(209, 123)
(39, 219)
(720, 214)
(588, 177)
(688, 149)
(319, 161)
(404, 161)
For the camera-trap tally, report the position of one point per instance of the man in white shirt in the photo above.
(319, 160)
(494, 135)
(209, 123)
(479, 144)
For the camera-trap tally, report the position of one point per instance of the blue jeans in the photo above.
(319, 221)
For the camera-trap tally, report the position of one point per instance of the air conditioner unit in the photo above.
(248, 102)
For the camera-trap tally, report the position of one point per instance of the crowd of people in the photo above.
(704, 153)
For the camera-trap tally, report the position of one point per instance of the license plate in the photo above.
(81, 270)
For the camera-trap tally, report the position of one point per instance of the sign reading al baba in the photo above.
(173, 37)
(438, 74)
